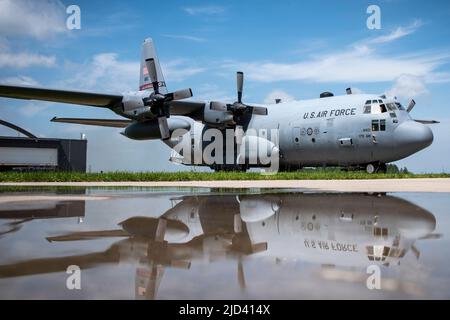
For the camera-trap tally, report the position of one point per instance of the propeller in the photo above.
(411, 105)
(158, 101)
(238, 108)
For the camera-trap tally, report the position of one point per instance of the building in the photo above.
(33, 153)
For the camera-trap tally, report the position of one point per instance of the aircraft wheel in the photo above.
(370, 168)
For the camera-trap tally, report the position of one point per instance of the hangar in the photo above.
(33, 153)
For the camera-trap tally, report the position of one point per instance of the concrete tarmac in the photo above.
(375, 185)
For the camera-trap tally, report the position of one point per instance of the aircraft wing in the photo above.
(114, 123)
(427, 121)
(64, 96)
(193, 109)
(182, 108)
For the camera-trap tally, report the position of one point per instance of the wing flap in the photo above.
(63, 96)
(113, 123)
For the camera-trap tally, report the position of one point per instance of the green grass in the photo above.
(198, 176)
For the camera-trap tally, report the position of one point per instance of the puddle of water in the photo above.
(145, 244)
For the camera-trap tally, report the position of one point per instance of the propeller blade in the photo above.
(415, 251)
(151, 67)
(260, 110)
(240, 85)
(179, 95)
(218, 106)
(241, 277)
(411, 105)
(161, 228)
(163, 128)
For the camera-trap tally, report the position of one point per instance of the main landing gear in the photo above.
(376, 168)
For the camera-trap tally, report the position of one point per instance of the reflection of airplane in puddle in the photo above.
(22, 213)
(329, 229)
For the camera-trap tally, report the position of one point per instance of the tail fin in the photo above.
(148, 51)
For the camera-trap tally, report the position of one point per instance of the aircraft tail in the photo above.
(148, 51)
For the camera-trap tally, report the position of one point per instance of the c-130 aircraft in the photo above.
(353, 130)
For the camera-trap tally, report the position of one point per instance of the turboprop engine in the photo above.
(150, 129)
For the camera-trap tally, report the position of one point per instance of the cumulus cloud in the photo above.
(357, 64)
(180, 69)
(407, 86)
(38, 19)
(204, 10)
(278, 94)
(24, 60)
(19, 80)
(106, 72)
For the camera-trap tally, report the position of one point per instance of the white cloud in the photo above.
(38, 19)
(204, 10)
(356, 64)
(407, 86)
(212, 92)
(105, 72)
(24, 60)
(184, 37)
(32, 109)
(180, 69)
(19, 80)
(398, 33)
(278, 94)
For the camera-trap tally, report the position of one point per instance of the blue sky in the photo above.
(289, 49)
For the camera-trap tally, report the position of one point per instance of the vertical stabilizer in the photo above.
(148, 51)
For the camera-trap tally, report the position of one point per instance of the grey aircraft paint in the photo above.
(348, 130)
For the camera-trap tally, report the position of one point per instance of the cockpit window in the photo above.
(391, 106)
(375, 107)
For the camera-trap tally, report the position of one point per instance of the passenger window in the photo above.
(383, 125)
(375, 125)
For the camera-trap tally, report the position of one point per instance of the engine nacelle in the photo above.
(133, 104)
(149, 130)
(217, 118)
(256, 150)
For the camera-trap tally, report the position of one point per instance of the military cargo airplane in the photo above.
(353, 130)
(339, 233)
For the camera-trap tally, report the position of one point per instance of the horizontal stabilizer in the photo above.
(114, 123)
(63, 96)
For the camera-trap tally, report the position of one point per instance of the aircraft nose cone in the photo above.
(413, 135)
